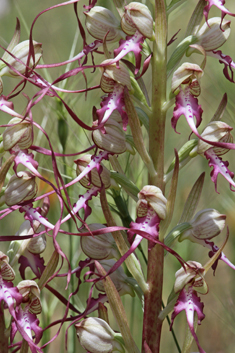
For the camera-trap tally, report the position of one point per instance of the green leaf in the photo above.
(173, 5)
(196, 19)
(220, 110)
(192, 200)
(4, 169)
(127, 184)
(183, 153)
(120, 6)
(179, 53)
(143, 117)
(175, 233)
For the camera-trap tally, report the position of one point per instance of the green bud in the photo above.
(21, 52)
(20, 133)
(63, 132)
(96, 336)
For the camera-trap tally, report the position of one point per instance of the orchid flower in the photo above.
(137, 23)
(113, 81)
(9, 294)
(211, 36)
(217, 131)
(185, 84)
(189, 301)
(26, 319)
(206, 225)
(151, 208)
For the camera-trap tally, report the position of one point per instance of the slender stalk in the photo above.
(24, 347)
(131, 262)
(153, 298)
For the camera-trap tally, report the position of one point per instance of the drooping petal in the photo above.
(10, 295)
(219, 166)
(148, 224)
(34, 261)
(187, 105)
(115, 100)
(32, 214)
(190, 302)
(8, 107)
(83, 203)
(27, 159)
(24, 323)
(220, 5)
(213, 249)
(229, 64)
(133, 44)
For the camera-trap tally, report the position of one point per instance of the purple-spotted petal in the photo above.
(148, 224)
(187, 105)
(83, 203)
(115, 100)
(32, 214)
(27, 159)
(190, 302)
(10, 295)
(219, 166)
(24, 323)
(133, 44)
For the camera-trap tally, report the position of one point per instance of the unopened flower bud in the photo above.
(31, 295)
(20, 134)
(100, 246)
(21, 52)
(20, 188)
(206, 224)
(38, 244)
(96, 336)
(6, 271)
(213, 34)
(100, 21)
(118, 277)
(216, 131)
(193, 275)
(152, 196)
(35, 245)
(189, 74)
(113, 140)
(93, 178)
(137, 17)
(111, 75)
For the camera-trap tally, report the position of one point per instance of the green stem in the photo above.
(153, 298)
(24, 347)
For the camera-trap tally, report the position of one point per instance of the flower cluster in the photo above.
(110, 193)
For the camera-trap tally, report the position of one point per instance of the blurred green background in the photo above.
(57, 31)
